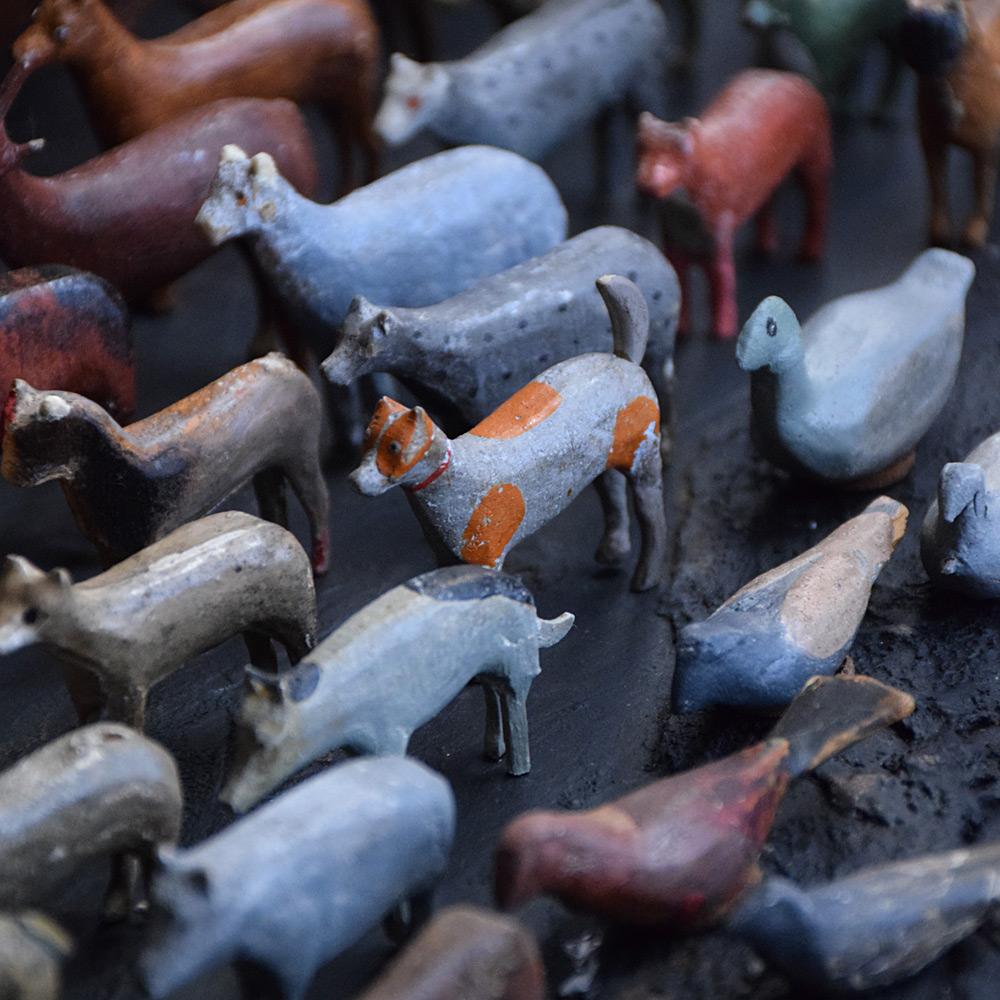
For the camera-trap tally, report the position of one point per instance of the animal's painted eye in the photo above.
(61, 33)
(772, 327)
(413, 102)
(395, 447)
(30, 616)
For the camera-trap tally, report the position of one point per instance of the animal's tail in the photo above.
(550, 632)
(629, 316)
(831, 713)
(932, 35)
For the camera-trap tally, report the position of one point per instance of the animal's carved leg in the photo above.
(936, 160)
(85, 691)
(261, 652)
(722, 281)
(978, 226)
(814, 176)
(126, 898)
(309, 487)
(767, 228)
(494, 745)
(269, 486)
(126, 704)
(681, 263)
(616, 543)
(647, 484)
(515, 724)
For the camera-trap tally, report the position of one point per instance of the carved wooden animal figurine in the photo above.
(64, 329)
(827, 41)
(472, 348)
(120, 633)
(128, 215)
(954, 45)
(102, 791)
(465, 954)
(875, 927)
(581, 421)
(682, 850)
(537, 82)
(129, 486)
(764, 125)
(325, 51)
(420, 235)
(392, 667)
(32, 949)
(299, 880)
(846, 398)
(959, 542)
(789, 624)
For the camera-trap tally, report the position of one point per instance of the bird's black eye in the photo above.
(30, 616)
(772, 327)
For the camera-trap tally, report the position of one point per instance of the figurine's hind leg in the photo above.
(269, 486)
(515, 720)
(408, 916)
(767, 229)
(494, 745)
(85, 691)
(616, 543)
(978, 226)
(127, 897)
(647, 485)
(126, 704)
(814, 176)
(294, 636)
(309, 486)
(936, 161)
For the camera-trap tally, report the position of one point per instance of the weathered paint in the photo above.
(527, 408)
(493, 525)
(634, 424)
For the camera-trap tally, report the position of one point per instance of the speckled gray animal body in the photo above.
(32, 949)
(100, 791)
(794, 622)
(877, 926)
(417, 236)
(121, 632)
(583, 420)
(960, 540)
(392, 667)
(846, 398)
(536, 82)
(473, 348)
(297, 881)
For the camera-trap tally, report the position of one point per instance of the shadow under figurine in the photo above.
(120, 633)
(130, 486)
(587, 420)
(846, 398)
(101, 791)
(681, 851)
(323, 51)
(295, 883)
(419, 235)
(954, 46)
(794, 622)
(960, 540)
(392, 667)
(465, 953)
(32, 951)
(65, 329)
(875, 927)
(128, 214)
(728, 163)
(537, 82)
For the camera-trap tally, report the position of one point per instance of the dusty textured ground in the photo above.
(598, 713)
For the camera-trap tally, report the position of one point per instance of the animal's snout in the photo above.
(656, 178)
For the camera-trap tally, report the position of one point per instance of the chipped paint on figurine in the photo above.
(32, 950)
(846, 398)
(390, 240)
(681, 851)
(471, 349)
(356, 840)
(465, 953)
(65, 329)
(129, 486)
(763, 126)
(392, 667)
(128, 214)
(875, 927)
(122, 632)
(582, 421)
(960, 543)
(535, 83)
(326, 51)
(101, 791)
(794, 622)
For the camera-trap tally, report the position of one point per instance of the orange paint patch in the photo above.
(493, 524)
(397, 450)
(525, 409)
(385, 409)
(633, 422)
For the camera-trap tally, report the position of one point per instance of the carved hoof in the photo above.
(321, 553)
(647, 576)
(975, 233)
(614, 549)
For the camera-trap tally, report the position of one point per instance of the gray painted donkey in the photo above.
(293, 884)
(417, 236)
(536, 82)
(121, 632)
(392, 667)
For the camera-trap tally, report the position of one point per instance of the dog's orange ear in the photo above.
(404, 443)
(384, 411)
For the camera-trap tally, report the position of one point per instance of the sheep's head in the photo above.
(414, 94)
(243, 196)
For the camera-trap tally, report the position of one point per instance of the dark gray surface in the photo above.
(600, 725)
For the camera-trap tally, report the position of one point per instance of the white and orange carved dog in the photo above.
(582, 421)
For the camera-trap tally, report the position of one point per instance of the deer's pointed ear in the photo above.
(423, 426)
(60, 577)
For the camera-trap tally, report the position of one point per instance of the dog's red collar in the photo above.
(439, 471)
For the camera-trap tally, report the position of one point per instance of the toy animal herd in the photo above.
(529, 366)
